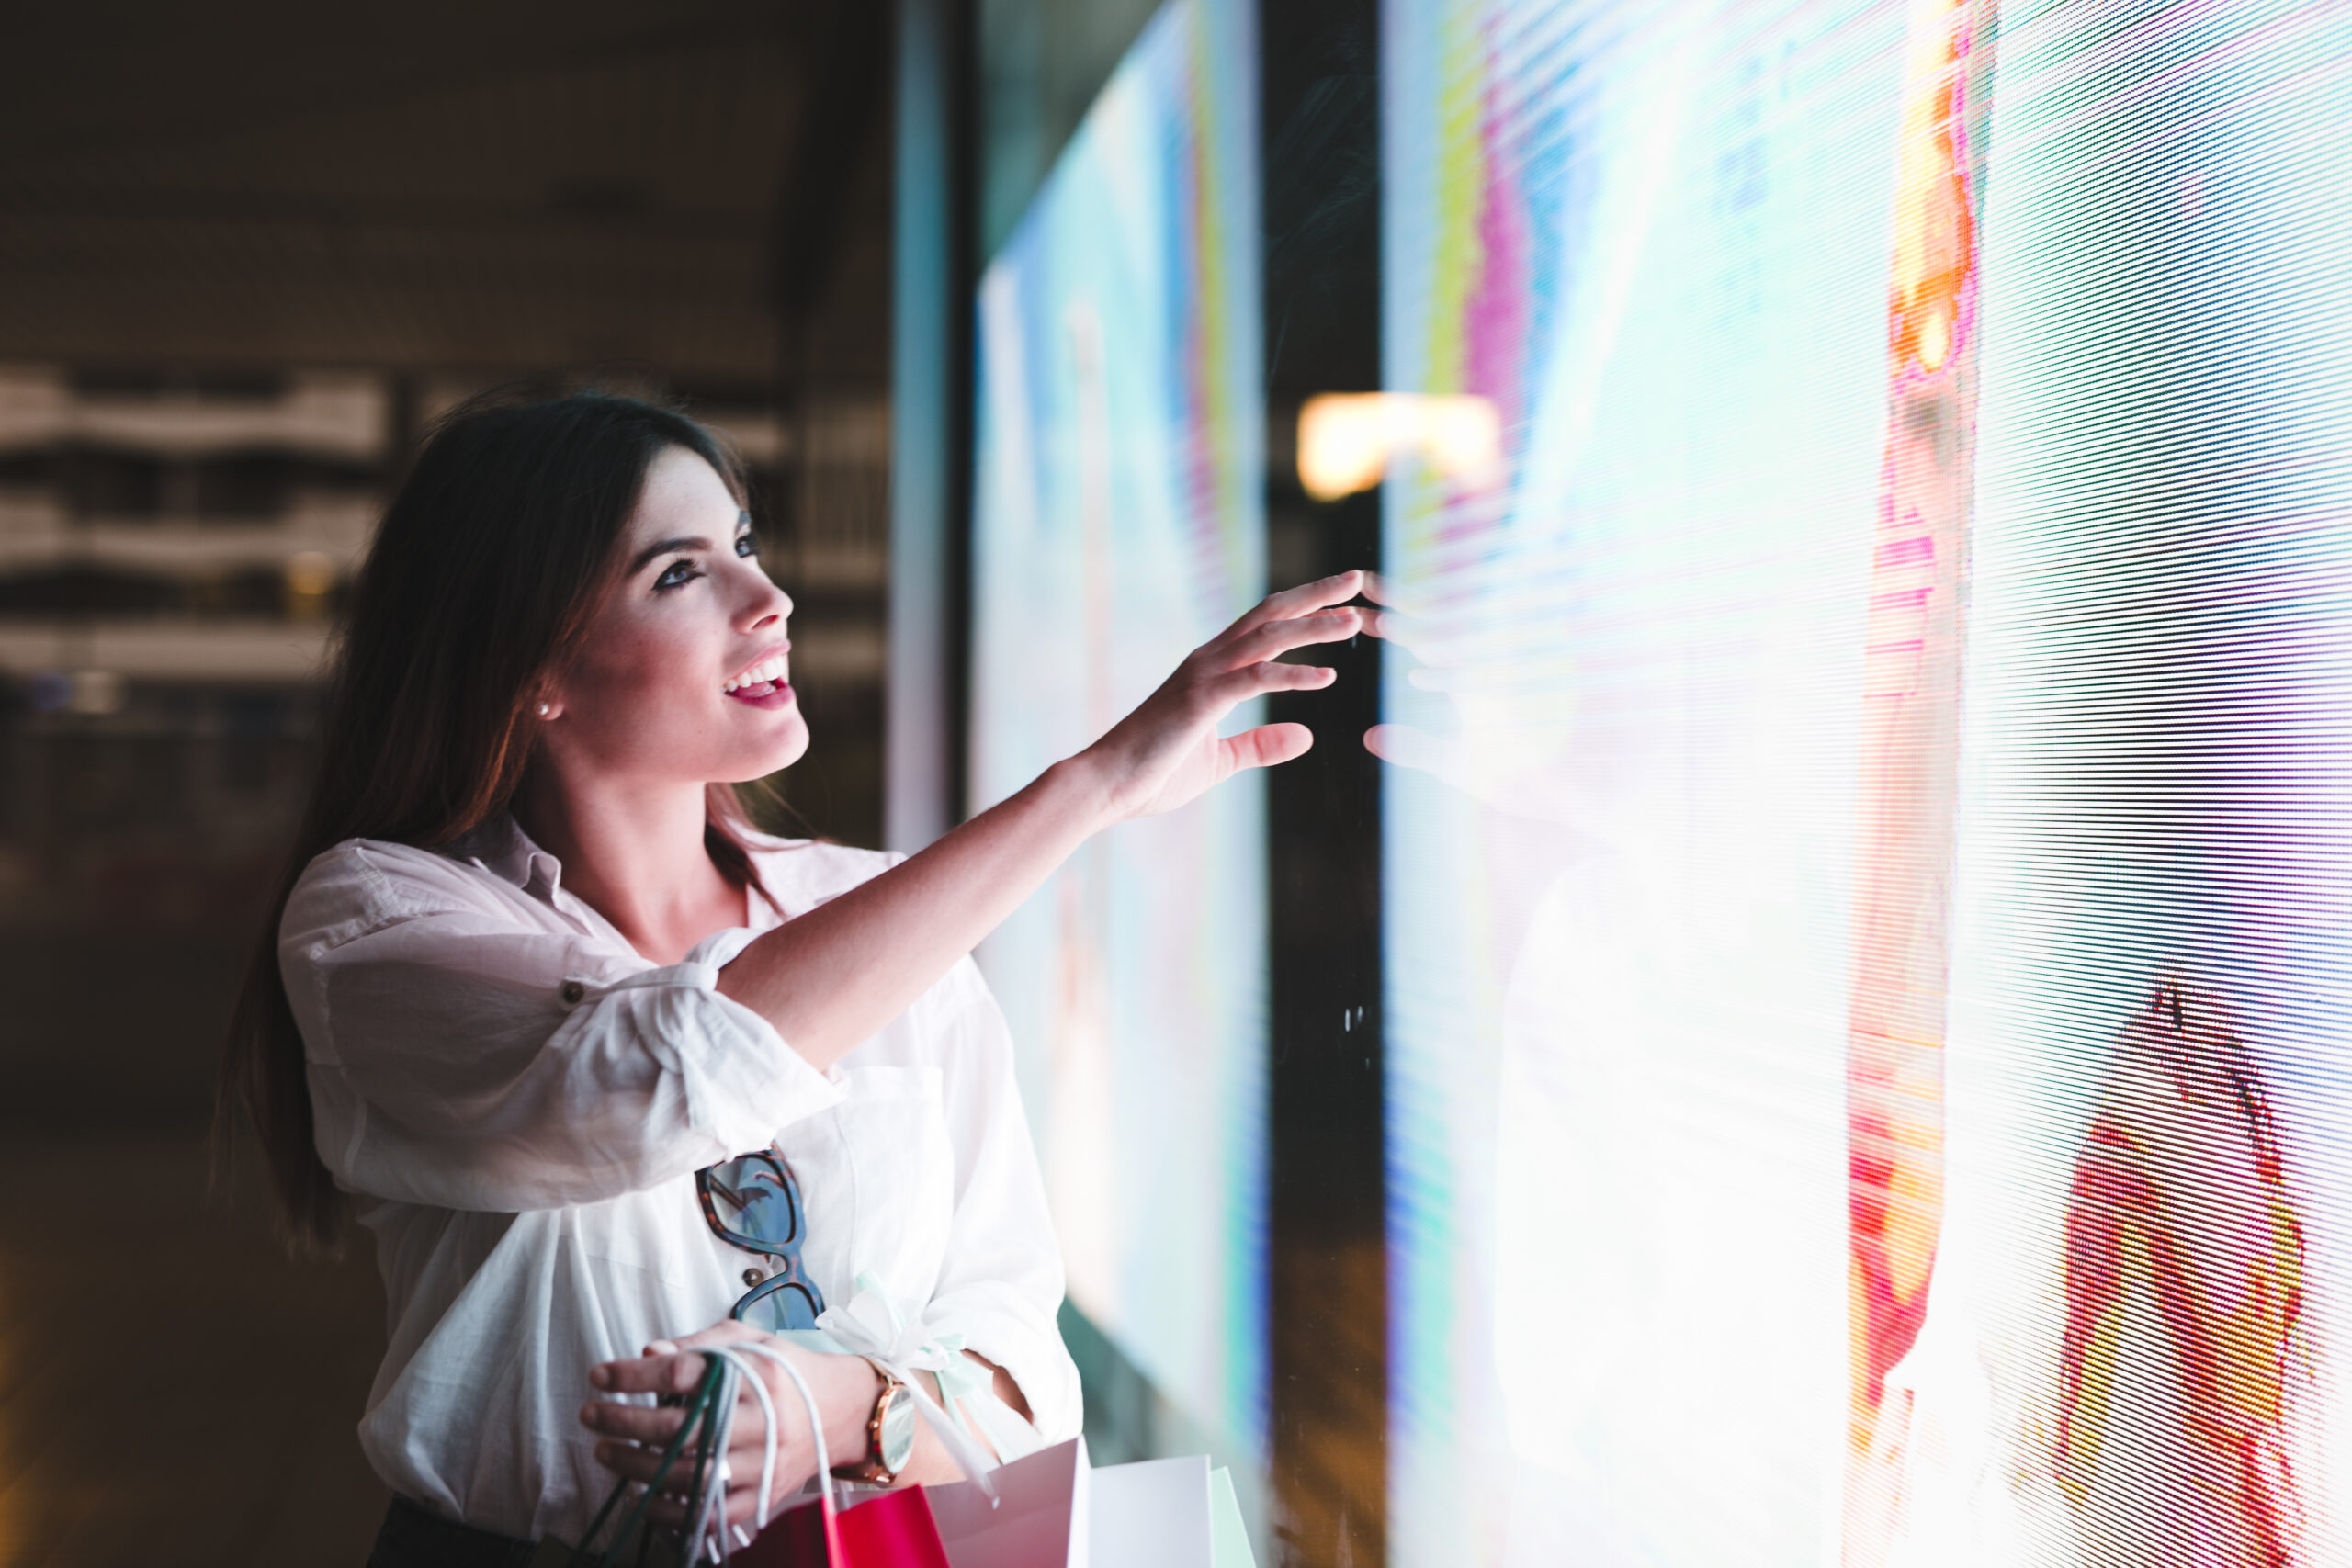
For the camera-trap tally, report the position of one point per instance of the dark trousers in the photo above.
(413, 1539)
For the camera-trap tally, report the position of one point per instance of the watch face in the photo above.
(898, 1443)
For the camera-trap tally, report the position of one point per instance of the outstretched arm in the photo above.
(830, 978)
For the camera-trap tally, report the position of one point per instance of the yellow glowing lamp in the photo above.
(1346, 439)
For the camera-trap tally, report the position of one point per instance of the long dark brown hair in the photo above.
(492, 557)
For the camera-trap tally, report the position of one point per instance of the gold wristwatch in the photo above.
(889, 1433)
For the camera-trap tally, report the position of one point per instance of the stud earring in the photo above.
(547, 710)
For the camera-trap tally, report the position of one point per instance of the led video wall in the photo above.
(1869, 861)
(1119, 524)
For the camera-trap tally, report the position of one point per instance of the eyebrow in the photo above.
(647, 555)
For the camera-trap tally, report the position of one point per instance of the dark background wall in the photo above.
(208, 214)
(200, 207)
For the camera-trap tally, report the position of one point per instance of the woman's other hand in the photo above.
(632, 1437)
(1168, 751)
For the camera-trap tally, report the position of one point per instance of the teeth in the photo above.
(768, 669)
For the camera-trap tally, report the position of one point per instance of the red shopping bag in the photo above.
(889, 1530)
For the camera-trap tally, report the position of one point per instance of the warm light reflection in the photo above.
(1346, 439)
(95, 693)
(309, 578)
(309, 572)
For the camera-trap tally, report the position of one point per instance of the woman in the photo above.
(532, 973)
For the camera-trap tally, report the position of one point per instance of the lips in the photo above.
(764, 678)
(767, 695)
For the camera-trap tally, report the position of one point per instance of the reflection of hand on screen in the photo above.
(1496, 745)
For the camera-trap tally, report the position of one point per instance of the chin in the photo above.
(788, 746)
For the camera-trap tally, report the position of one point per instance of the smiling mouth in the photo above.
(761, 680)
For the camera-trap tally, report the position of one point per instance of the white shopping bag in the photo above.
(1058, 1512)
(1151, 1515)
(1040, 1521)
(1165, 1513)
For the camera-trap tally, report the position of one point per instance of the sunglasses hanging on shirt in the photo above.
(753, 1202)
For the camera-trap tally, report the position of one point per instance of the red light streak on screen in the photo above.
(1910, 750)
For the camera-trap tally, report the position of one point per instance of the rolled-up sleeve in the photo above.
(1000, 1283)
(465, 1055)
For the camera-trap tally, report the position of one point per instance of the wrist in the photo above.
(855, 1385)
(1082, 788)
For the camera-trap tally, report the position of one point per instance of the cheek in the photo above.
(641, 677)
(645, 697)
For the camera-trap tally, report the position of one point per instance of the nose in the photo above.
(767, 607)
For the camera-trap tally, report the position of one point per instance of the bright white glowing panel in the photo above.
(1869, 861)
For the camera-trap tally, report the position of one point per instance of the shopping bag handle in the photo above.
(969, 1457)
(829, 1509)
(855, 1328)
(707, 1508)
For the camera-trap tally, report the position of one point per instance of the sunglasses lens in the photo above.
(755, 1199)
(788, 1305)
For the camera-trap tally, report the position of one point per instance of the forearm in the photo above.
(830, 978)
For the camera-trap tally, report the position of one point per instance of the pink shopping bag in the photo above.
(1039, 1521)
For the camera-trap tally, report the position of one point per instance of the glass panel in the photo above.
(1119, 522)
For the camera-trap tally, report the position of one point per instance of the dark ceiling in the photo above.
(502, 187)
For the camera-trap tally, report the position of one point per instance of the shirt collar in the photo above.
(501, 847)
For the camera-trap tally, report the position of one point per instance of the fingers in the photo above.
(648, 1374)
(729, 1333)
(1227, 692)
(1267, 746)
(636, 1423)
(641, 1464)
(663, 1369)
(639, 1460)
(1303, 600)
(1274, 639)
(632, 1462)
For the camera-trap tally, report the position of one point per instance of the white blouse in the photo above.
(519, 1102)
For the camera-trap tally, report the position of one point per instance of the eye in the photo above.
(677, 574)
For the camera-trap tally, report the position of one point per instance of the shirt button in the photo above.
(572, 991)
(753, 1276)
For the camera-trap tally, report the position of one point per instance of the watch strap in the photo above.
(869, 1469)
